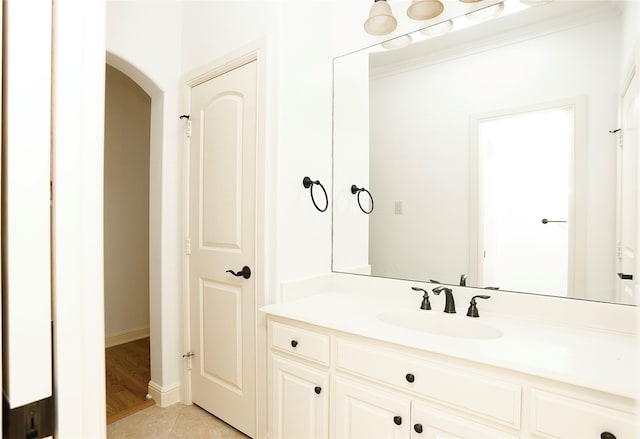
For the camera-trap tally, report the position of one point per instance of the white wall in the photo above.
(435, 224)
(299, 126)
(126, 199)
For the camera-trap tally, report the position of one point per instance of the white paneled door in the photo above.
(222, 219)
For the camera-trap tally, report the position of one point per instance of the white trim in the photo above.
(78, 278)
(577, 208)
(254, 51)
(127, 336)
(164, 396)
(26, 191)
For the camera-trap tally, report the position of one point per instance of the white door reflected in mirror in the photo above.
(525, 178)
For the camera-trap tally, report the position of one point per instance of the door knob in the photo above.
(418, 428)
(397, 420)
(245, 272)
(317, 389)
(547, 221)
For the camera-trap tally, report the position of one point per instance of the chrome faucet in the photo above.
(450, 304)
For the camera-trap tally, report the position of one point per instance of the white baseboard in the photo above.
(166, 396)
(125, 337)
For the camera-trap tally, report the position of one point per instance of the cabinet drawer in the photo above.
(487, 396)
(300, 342)
(558, 416)
(435, 423)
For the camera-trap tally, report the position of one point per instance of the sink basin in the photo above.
(449, 325)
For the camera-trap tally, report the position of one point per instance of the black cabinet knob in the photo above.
(397, 420)
(418, 428)
(294, 343)
(607, 435)
(410, 378)
(317, 389)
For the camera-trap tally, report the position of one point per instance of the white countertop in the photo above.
(596, 359)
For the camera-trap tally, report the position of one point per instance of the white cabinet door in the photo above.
(367, 413)
(430, 423)
(300, 401)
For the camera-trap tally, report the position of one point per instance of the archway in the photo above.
(155, 215)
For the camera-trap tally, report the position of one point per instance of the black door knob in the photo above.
(607, 435)
(418, 428)
(245, 272)
(397, 420)
(317, 389)
(294, 343)
(410, 378)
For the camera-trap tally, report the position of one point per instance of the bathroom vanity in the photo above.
(352, 361)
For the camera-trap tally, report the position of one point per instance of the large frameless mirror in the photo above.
(490, 152)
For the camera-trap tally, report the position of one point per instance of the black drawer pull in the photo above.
(410, 378)
(418, 428)
(607, 435)
(397, 420)
(294, 343)
(317, 389)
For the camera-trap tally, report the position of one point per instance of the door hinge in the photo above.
(188, 126)
(618, 133)
(619, 250)
(188, 357)
(187, 246)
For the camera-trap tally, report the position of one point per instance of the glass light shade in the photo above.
(424, 9)
(486, 13)
(397, 43)
(380, 21)
(438, 29)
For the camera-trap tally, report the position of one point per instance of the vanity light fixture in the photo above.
(381, 21)
(486, 13)
(397, 43)
(438, 29)
(424, 9)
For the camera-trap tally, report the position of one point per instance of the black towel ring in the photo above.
(356, 190)
(308, 183)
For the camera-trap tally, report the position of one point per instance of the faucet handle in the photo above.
(425, 298)
(473, 308)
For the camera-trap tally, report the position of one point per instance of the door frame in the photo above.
(632, 73)
(255, 51)
(577, 208)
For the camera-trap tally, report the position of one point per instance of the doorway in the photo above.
(126, 243)
(222, 237)
(526, 162)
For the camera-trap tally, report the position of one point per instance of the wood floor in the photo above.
(127, 378)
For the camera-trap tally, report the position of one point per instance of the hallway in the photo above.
(128, 373)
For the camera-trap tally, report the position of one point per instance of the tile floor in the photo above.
(177, 421)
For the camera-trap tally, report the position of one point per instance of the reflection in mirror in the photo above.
(492, 153)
